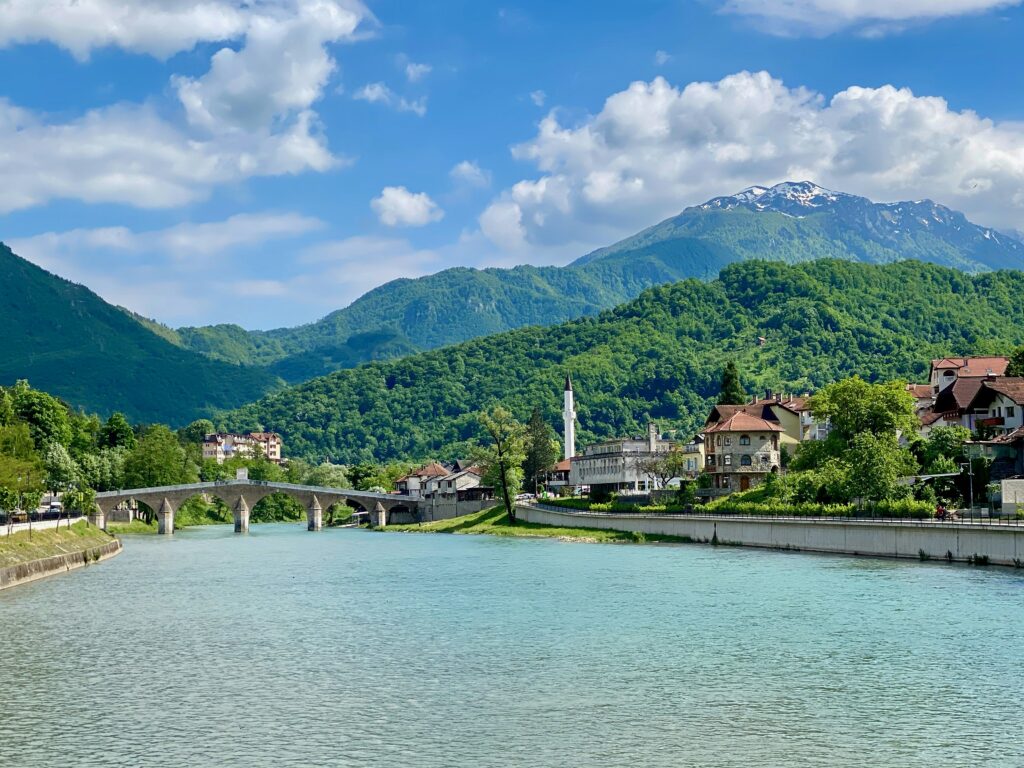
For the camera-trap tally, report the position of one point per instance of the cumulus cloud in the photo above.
(398, 207)
(355, 265)
(415, 72)
(379, 93)
(822, 17)
(249, 115)
(655, 148)
(471, 174)
(129, 154)
(538, 98)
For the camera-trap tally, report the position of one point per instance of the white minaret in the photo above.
(569, 414)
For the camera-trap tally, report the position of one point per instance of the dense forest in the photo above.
(789, 327)
(68, 341)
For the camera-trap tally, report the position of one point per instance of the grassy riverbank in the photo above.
(21, 548)
(494, 522)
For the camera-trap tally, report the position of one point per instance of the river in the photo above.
(351, 648)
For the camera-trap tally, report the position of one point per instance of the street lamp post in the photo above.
(969, 469)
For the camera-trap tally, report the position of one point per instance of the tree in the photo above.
(732, 392)
(853, 406)
(944, 448)
(502, 460)
(875, 463)
(541, 450)
(662, 468)
(1016, 366)
(158, 459)
(81, 498)
(117, 432)
(62, 471)
(327, 475)
(46, 416)
(196, 431)
(6, 408)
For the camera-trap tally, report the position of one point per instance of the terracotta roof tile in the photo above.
(1012, 388)
(744, 422)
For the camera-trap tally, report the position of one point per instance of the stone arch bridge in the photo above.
(242, 495)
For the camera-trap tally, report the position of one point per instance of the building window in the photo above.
(710, 461)
(728, 440)
(1010, 411)
(745, 460)
(718, 440)
(744, 439)
(728, 460)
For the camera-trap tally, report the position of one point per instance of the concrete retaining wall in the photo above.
(37, 569)
(961, 541)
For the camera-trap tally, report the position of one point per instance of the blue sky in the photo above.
(268, 161)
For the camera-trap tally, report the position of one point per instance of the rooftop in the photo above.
(744, 422)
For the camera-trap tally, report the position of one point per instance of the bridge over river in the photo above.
(242, 495)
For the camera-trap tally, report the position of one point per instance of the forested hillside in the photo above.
(68, 341)
(658, 357)
(791, 222)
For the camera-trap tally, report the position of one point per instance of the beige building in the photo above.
(741, 450)
(222, 446)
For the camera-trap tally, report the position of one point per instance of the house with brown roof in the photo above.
(423, 481)
(792, 413)
(741, 450)
(948, 370)
(222, 446)
(993, 405)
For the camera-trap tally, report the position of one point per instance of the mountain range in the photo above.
(65, 339)
(790, 222)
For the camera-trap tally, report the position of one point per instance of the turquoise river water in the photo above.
(350, 648)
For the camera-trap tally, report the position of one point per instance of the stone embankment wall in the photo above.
(47, 566)
(1002, 545)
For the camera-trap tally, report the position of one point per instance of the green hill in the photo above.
(658, 357)
(67, 341)
(791, 222)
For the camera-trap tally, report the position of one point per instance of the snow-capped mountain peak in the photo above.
(792, 197)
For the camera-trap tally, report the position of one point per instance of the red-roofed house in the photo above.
(949, 370)
(422, 481)
(741, 450)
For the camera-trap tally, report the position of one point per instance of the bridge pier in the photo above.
(165, 518)
(314, 515)
(98, 518)
(241, 516)
(379, 517)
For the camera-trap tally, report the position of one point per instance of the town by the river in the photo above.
(360, 648)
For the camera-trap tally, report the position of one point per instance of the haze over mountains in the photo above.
(67, 340)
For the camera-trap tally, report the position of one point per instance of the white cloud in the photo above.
(470, 173)
(249, 115)
(822, 17)
(661, 58)
(129, 154)
(398, 207)
(654, 149)
(379, 93)
(282, 68)
(538, 98)
(415, 72)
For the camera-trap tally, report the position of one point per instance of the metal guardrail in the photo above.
(997, 522)
(37, 517)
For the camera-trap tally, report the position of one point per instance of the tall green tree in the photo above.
(541, 449)
(6, 408)
(158, 459)
(62, 471)
(1016, 366)
(502, 458)
(46, 416)
(196, 431)
(731, 390)
(853, 406)
(117, 432)
(876, 462)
